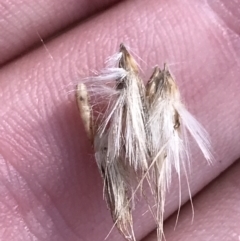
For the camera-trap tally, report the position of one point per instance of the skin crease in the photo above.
(23, 22)
(50, 186)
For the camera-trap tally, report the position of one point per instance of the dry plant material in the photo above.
(139, 133)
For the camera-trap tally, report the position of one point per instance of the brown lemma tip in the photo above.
(122, 48)
(156, 73)
(127, 62)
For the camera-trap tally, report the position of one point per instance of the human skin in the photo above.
(49, 183)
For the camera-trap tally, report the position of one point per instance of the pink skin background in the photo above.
(50, 188)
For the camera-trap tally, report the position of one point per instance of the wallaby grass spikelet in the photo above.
(141, 134)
